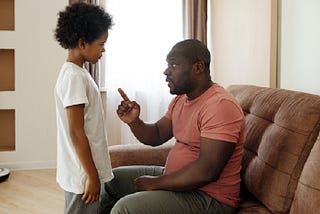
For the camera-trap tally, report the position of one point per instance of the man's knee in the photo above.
(122, 207)
(134, 204)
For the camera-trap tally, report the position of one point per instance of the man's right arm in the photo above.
(152, 134)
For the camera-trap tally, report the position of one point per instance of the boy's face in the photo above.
(92, 52)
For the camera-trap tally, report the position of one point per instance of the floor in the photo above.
(31, 192)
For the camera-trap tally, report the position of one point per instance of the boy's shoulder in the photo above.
(72, 70)
(71, 67)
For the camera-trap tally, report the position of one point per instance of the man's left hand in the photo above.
(145, 183)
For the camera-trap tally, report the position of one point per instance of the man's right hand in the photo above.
(128, 111)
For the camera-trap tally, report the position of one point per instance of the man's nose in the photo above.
(166, 71)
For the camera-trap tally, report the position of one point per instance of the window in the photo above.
(135, 58)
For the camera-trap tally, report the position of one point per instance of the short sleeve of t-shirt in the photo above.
(73, 90)
(168, 114)
(223, 123)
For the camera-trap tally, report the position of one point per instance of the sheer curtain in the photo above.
(135, 59)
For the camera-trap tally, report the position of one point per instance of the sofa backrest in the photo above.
(307, 197)
(282, 127)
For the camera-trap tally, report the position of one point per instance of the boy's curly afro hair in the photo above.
(81, 21)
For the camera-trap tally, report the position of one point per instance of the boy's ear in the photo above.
(81, 43)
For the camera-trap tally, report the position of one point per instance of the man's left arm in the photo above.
(213, 157)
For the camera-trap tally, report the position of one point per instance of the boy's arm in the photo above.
(81, 144)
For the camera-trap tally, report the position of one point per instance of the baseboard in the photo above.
(29, 165)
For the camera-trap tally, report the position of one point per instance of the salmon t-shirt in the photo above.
(214, 115)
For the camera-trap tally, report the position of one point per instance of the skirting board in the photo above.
(29, 165)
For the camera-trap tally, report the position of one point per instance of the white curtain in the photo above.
(135, 59)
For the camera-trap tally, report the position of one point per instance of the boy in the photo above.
(83, 161)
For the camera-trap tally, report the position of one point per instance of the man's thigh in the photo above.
(168, 202)
(122, 184)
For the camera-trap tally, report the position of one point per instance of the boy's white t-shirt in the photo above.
(75, 86)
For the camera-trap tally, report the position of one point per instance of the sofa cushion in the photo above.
(253, 207)
(307, 196)
(282, 126)
(138, 154)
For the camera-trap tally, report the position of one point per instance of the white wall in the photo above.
(243, 43)
(240, 35)
(38, 58)
(300, 45)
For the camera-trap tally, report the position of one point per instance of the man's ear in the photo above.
(81, 43)
(199, 67)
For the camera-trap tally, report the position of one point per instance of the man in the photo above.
(202, 171)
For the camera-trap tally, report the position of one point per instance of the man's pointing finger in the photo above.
(123, 95)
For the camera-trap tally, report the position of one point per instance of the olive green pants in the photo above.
(118, 196)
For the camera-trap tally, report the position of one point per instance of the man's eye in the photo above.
(172, 65)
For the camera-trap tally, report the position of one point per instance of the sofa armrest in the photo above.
(138, 154)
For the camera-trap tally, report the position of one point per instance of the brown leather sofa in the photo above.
(281, 163)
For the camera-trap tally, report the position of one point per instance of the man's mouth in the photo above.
(170, 84)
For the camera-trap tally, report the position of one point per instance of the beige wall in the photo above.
(241, 42)
(37, 61)
(271, 43)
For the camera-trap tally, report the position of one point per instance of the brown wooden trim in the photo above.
(7, 129)
(274, 44)
(7, 15)
(7, 67)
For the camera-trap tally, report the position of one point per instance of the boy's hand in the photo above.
(128, 111)
(91, 190)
